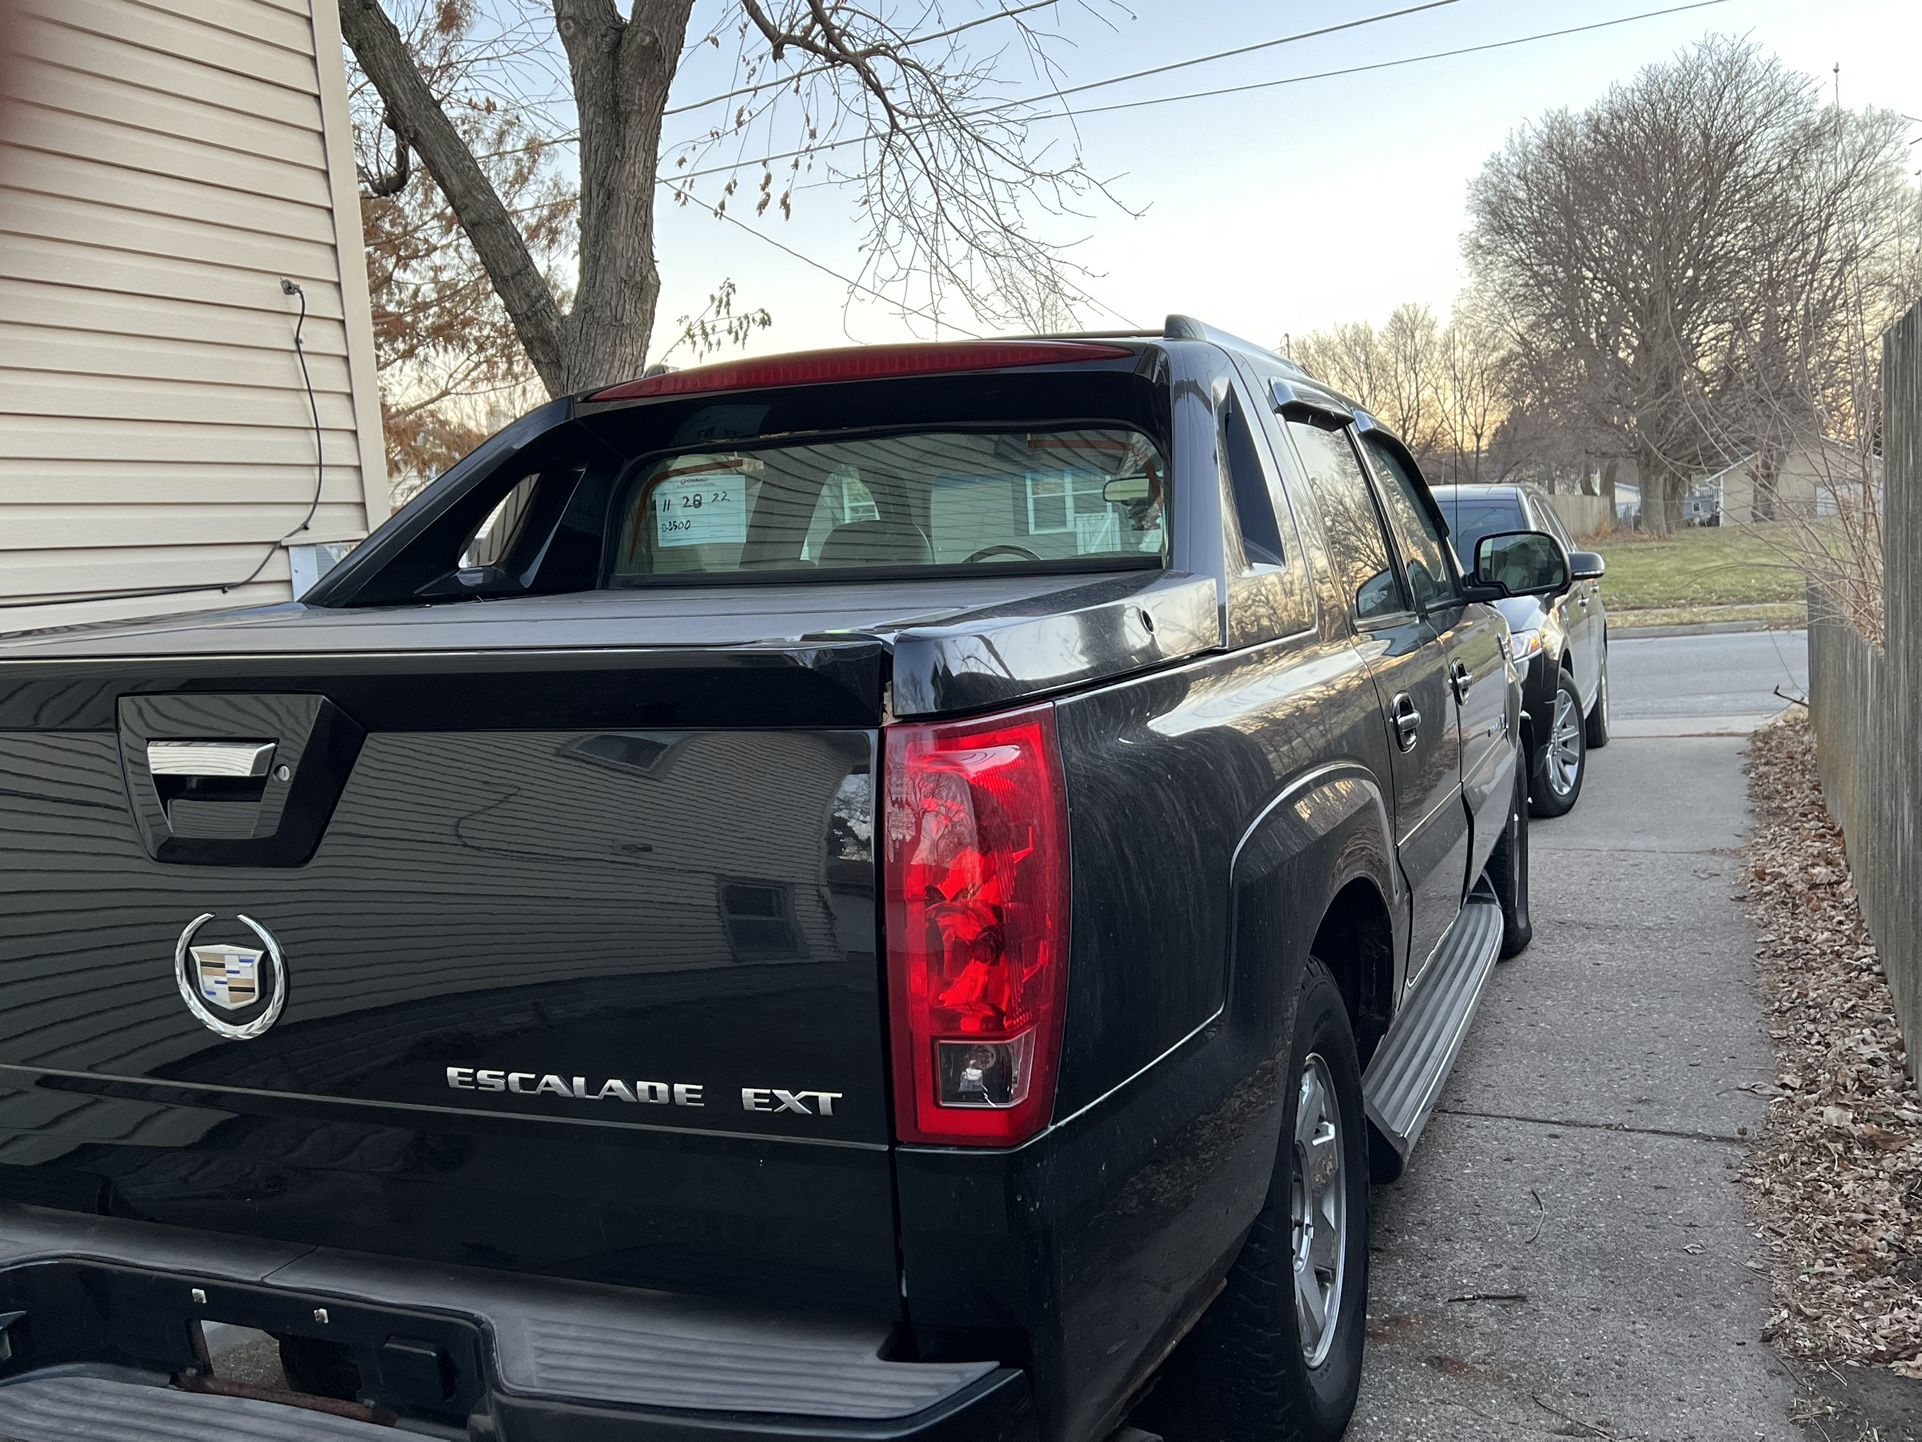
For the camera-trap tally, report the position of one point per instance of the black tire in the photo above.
(1508, 875)
(1595, 729)
(1546, 798)
(1242, 1375)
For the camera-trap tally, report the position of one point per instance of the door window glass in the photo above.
(1422, 546)
(1357, 546)
(1469, 522)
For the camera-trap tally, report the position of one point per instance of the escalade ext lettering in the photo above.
(775, 1099)
(527, 1083)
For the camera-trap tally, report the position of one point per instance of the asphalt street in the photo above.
(1567, 1255)
(1705, 683)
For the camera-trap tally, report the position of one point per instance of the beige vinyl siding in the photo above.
(167, 163)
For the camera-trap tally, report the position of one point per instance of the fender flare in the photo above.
(1325, 829)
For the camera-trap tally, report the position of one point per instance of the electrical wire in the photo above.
(906, 44)
(853, 284)
(1075, 114)
(846, 280)
(1057, 94)
(1239, 50)
(1387, 64)
(287, 287)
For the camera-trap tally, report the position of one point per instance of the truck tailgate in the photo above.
(515, 961)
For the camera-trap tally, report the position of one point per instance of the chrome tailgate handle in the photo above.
(243, 760)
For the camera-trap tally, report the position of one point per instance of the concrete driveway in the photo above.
(1567, 1256)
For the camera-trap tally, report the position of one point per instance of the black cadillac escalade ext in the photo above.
(892, 893)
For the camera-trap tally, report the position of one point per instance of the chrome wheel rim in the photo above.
(1564, 745)
(1318, 1209)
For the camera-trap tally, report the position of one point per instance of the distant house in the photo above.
(166, 163)
(1815, 479)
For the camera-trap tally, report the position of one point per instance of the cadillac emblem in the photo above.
(237, 991)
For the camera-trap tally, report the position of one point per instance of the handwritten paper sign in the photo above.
(701, 511)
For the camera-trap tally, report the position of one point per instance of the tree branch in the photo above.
(419, 122)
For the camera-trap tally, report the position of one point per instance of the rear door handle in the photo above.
(243, 760)
(1462, 679)
(1407, 721)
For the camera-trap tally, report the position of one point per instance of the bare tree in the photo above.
(947, 178)
(1472, 390)
(1413, 342)
(1395, 372)
(446, 351)
(1640, 244)
(1347, 356)
(1838, 277)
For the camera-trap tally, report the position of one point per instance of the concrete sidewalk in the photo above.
(1567, 1256)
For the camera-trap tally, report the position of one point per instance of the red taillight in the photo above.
(976, 875)
(870, 362)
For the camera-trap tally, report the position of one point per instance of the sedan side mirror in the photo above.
(1519, 563)
(1586, 565)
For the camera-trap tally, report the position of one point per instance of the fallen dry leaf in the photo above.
(1834, 1178)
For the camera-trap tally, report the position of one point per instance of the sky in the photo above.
(1283, 210)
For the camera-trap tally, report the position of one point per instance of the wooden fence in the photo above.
(1585, 515)
(1866, 702)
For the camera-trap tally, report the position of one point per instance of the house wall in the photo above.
(165, 163)
(1812, 481)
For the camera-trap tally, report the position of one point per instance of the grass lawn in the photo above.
(1706, 573)
(1766, 615)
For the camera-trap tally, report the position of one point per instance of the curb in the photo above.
(1619, 632)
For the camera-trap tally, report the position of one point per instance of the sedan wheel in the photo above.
(1564, 757)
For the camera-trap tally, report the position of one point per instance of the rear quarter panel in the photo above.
(1214, 811)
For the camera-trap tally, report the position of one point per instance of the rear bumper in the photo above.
(98, 1314)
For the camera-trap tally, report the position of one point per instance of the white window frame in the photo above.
(1066, 496)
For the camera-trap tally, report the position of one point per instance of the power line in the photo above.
(1385, 64)
(1241, 50)
(1057, 94)
(1071, 114)
(848, 281)
(882, 296)
(820, 69)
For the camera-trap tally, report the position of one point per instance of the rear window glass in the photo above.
(1470, 521)
(928, 498)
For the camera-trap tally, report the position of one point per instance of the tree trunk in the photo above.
(1672, 499)
(417, 119)
(1765, 477)
(1610, 469)
(1661, 508)
(621, 72)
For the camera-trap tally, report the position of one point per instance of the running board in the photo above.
(1404, 1079)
